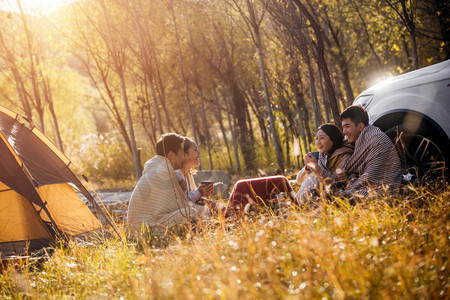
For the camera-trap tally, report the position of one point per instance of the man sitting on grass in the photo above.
(158, 202)
(375, 162)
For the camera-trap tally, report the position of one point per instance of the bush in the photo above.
(106, 161)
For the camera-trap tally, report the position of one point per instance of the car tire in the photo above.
(422, 158)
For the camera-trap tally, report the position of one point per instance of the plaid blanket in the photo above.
(158, 201)
(374, 162)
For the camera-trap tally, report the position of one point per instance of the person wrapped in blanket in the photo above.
(334, 152)
(158, 202)
(374, 167)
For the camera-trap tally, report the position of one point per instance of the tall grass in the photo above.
(390, 247)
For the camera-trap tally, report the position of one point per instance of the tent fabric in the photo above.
(19, 219)
(71, 213)
(36, 200)
(45, 165)
(45, 162)
(13, 175)
(21, 248)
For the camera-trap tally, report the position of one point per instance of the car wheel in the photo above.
(422, 159)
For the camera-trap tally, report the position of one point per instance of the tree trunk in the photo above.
(258, 44)
(119, 71)
(56, 127)
(157, 80)
(49, 100)
(206, 129)
(414, 48)
(411, 26)
(324, 100)
(294, 78)
(232, 125)
(257, 111)
(249, 122)
(442, 9)
(246, 143)
(183, 76)
(147, 69)
(134, 152)
(199, 88)
(321, 59)
(33, 71)
(306, 124)
(343, 65)
(222, 128)
(312, 91)
(19, 84)
(287, 141)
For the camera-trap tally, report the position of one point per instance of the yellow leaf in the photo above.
(395, 47)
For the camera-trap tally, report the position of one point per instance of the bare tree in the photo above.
(147, 68)
(182, 71)
(36, 100)
(320, 56)
(199, 88)
(253, 23)
(104, 53)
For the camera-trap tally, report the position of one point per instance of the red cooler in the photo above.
(257, 191)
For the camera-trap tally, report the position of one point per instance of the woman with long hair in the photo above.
(334, 151)
(191, 161)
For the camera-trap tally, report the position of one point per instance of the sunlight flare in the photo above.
(36, 7)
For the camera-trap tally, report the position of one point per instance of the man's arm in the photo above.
(373, 172)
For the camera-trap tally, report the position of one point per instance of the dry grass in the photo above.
(387, 248)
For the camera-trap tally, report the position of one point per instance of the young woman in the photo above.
(334, 151)
(190, 162)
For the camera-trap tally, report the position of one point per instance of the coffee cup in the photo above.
(207, 183)
(315, 154)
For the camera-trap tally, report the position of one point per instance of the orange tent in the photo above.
(38, 201)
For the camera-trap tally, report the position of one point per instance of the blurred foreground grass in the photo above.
(387, 248)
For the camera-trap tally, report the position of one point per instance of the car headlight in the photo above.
(363, 100)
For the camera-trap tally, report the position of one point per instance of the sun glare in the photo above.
(36, 7)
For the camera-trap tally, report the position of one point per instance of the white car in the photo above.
(414, 110)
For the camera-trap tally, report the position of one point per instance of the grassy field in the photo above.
(387, 248)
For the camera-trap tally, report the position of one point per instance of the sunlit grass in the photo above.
(387, 248)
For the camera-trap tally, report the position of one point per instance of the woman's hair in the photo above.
(335, 134)
(169, 142)
(188, 143)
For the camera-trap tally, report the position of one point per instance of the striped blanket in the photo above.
(158, 200)
(374, 162)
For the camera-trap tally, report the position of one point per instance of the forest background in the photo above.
(250, 81)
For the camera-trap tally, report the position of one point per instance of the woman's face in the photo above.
(192, 157)
(323, 142)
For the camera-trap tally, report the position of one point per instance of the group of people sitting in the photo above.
(351, 163)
